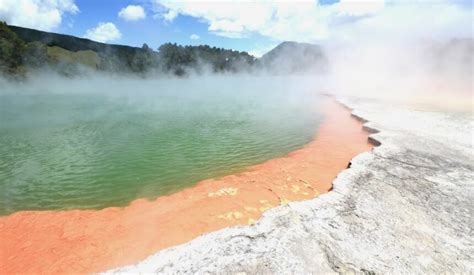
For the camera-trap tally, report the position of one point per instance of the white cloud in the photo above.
(239, 18)
(170, 15)
(407, 20)
(308, 21)
(194, 37)
(104, 32)
(132, 13)
(361, 7)
(39, 14)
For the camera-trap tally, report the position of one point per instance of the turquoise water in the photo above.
(98, 143)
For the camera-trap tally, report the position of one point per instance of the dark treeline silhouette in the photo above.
(176, 58)
(23, 49)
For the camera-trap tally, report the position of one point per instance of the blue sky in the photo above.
(153, 31)
(253, 26)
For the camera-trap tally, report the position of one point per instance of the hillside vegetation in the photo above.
(292, 57)
(86, 58)
(23, 50)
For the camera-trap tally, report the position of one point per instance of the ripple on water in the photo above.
(97, 151)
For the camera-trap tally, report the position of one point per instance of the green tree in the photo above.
(177, 59)
(35, 55)
(11, 49)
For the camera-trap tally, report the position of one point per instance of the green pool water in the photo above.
(105, 142)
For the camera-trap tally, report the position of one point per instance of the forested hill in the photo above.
(292, 57)
(23, 50)
(60, 51)
(68, 42)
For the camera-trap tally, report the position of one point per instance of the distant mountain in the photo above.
(114, 57)
(294, 57)
(71, 43)
(66, 54)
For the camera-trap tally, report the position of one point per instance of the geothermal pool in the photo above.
(96, 143)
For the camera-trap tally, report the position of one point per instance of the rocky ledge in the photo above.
(404, 207)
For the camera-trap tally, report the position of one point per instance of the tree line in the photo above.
(23, 49)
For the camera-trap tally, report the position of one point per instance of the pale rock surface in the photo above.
(405, 207)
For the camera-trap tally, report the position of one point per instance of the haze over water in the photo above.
(104, 142)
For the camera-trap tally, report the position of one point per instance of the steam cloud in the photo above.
(409, 52)
(438, 74)
(406, 52)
